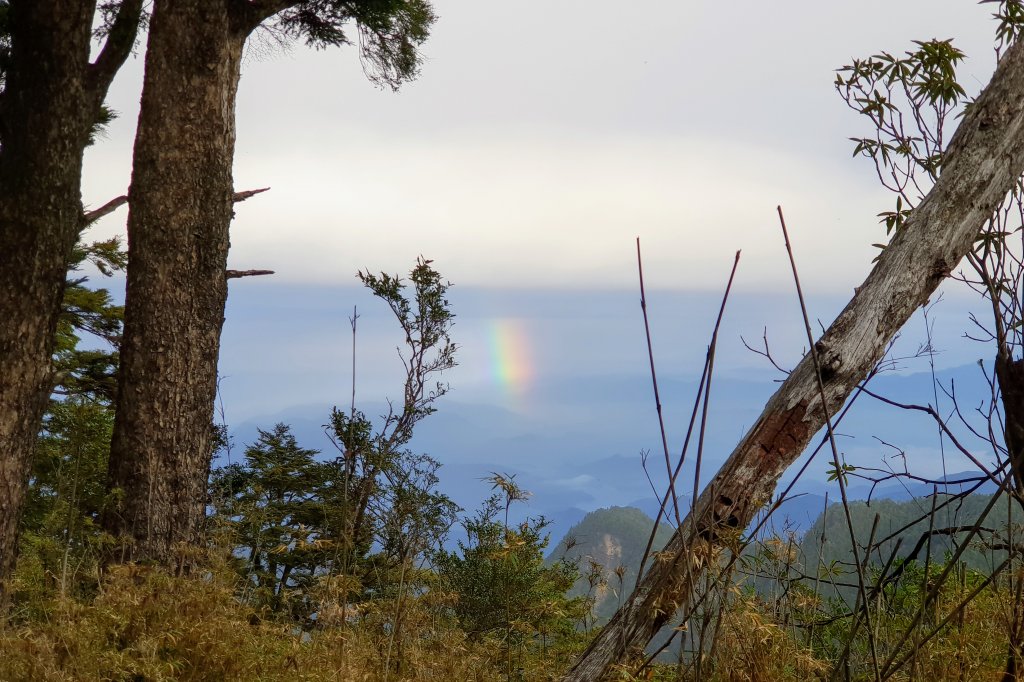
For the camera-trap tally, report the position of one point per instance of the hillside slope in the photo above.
(614, 539)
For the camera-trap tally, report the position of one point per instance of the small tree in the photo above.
(376, 461)
(66, 486)
(89, 372)
(502, 586)
(272, 503)
(358, 527)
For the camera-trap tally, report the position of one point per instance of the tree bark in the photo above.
(1010, 374)
(51, 99)
(983, 161)
(180, 209)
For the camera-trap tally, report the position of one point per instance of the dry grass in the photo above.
(752, 648)
(139, 623)
(146, 625)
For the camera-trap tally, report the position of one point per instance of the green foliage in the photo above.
(321, 543)
(60, 535)
(390, 32)
(59, 528)
(389, 493)
(351, 526)
(272, 503)
(297, 521)
(89, 372)
(901, 527)
(844, 470)
(375, 464)
(907, 99)
(426, 320)
(70, 463)
(145, 624)
(106, 117)
(969, 646)
(1010, 18)
(412, 517)
(503, 589)
(314, 566)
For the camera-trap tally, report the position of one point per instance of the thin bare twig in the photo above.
(704, 379)
(654, 382)
(831, 437)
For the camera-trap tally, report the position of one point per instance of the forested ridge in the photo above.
(139, 541)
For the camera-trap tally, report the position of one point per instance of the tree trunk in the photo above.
(50, 101)
(180, 211)
(1010, 374)
(984, 159)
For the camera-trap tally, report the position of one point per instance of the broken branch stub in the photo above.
(983, 161)
(92, 216)
(247, 194)
(235, 274)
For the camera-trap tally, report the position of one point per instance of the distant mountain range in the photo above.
(592, 443)
(609, 543)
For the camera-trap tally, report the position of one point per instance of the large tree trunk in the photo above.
(984, 159)
(51, 100)
(180, 210)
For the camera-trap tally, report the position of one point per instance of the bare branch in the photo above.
(106, 209)
(249, 14)
(234, 274)
(117, 202)
(242, 196)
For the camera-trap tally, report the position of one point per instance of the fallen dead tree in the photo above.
(982, 162)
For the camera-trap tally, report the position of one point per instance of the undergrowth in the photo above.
(143, 624)
(137, 622)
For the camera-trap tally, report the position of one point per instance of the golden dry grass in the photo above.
(140, 623)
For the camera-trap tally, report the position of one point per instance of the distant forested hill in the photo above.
(614, 539)
(905, 528)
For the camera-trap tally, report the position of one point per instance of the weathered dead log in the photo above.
(983, 161)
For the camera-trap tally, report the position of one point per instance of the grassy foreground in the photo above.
(140, 623)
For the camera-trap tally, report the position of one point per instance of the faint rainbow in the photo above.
(511, 361)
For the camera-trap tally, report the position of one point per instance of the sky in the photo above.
(542, 137)
(540, 140)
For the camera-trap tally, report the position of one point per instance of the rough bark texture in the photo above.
(984, 159)
(180, 210)
(50, 101)
(1010, 374)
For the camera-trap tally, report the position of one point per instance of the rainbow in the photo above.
(511, 364)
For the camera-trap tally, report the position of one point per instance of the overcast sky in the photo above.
(540, 140)
(542, 137)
